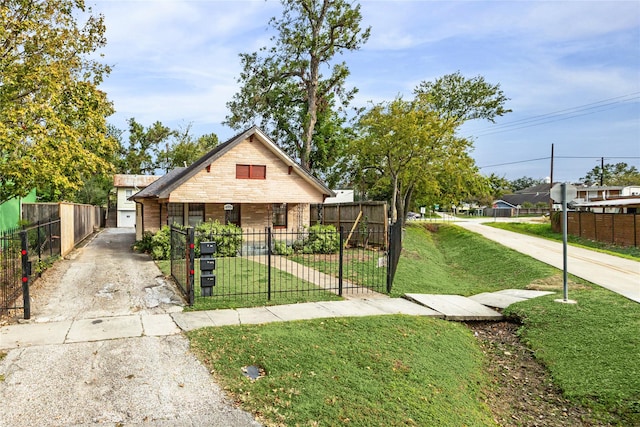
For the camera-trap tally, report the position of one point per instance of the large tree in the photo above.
(160, 148)
(294, 88)
(524, 182)
(613, 174)
(414, 146)
(52, 114)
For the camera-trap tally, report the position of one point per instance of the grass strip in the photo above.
(592, 348)
(446, 259)
(370, 371)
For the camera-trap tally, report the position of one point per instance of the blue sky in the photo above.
(571, 69)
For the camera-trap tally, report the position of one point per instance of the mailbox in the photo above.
(207, 267)
(207, 248)
(207, 280)
(207, 264)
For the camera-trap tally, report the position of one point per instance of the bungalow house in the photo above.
(247, 181)
(532, 197)
(126, 186)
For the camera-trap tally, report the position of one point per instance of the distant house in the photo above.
(511, 204)
(247, 181)
(538, 194)
(126, 186)
(342, 196)
(588, 193)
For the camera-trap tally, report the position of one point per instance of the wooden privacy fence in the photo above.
(355, 217)
(77, 222)
(615, 228)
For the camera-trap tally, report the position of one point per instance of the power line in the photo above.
(565, 114)
(557, 157)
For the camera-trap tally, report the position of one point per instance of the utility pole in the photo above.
(551, 184)
(601, 171)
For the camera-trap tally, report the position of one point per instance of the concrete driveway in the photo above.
(148, 380)
(617, 274)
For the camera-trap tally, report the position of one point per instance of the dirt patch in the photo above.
(555, 283)
(522, 392)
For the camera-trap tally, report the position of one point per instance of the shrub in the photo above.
(228, 238)
(281, 248)
(144, 245)
(322, 239)
(161, 244)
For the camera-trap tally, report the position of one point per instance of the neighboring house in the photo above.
(621, 205)
(538, 194)
(247, 181)
(342, 196)
(126, 186)
(10, 210)
(594, 192)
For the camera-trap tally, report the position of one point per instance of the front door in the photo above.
(232, 216)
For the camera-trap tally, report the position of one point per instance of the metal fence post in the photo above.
(340, 260)
(26, 272)
(191, 254)
(269, 263)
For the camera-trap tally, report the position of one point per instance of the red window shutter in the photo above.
(258, 171)
(242, 171)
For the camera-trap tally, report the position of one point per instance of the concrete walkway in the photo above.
(449, 307)
(617, 274)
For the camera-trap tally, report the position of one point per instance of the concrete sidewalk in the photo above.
(617, 274)
(449, 307)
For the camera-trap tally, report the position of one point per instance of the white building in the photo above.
(126, 186)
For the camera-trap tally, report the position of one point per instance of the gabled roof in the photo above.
(163, 187)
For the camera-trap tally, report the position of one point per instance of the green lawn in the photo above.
(371, 371)
(249, 279)
(401, 370)
(544, 230)
(455, 261)
(592, 349)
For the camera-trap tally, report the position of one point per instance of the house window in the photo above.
(251, 172)
(279, 215)
(196, 213)
(175, 214)
(128, 193)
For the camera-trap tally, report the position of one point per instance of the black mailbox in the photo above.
(207, 248)
(207, 280)
(207, 264)
(207, 267)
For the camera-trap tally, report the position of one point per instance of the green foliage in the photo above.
(159, 147)
(285, 89)
(460, 262)
(524, 183)
(144, 245)
(280, 247)
(413, 147)
(161, 244)
(321, 239)
(613, 174)
(457, 98)
(228, 238)
(52, 113)
(327, 372)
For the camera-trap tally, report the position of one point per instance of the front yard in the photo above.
(401, 370)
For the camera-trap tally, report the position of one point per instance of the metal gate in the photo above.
(19, 250)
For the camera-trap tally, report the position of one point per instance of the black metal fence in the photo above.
(278, 264)
(20, 250)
